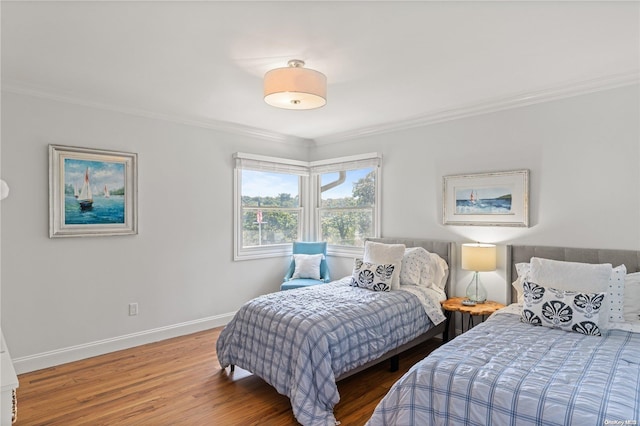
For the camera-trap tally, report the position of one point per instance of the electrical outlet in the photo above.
(133, 309)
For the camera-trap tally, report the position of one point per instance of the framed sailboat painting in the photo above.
(488, 199)
(92, 192)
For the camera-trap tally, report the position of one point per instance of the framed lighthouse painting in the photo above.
(92, 192)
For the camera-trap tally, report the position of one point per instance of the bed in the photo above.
(303, 341)
(506, 371)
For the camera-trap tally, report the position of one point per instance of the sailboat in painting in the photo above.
(473, 198)
(106, 192)
(86, 197)
(75, 190)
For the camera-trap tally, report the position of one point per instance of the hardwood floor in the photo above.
(179, 382)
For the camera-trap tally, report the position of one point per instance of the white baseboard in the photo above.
(74, 353)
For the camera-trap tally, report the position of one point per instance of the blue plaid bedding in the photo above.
(300, 340)
(505, 372)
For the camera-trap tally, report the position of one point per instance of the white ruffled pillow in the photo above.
(307, 266)
(381, 253)
(632, 298)
(438, 272)
(415, 263)
(522, 269)
(614, 303)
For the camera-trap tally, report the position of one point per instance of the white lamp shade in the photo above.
(295, 87)
(479, 257)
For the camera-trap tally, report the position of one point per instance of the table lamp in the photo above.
(477, 258)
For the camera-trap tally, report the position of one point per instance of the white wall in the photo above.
(583, 154)
(63, 292)
(67, 298)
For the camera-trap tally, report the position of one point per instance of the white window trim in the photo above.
(244, 161)
(372, 159)
(309, 173)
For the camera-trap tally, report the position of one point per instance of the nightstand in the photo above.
(9, 385)
(454, 304)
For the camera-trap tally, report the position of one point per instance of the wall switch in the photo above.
(133, 309)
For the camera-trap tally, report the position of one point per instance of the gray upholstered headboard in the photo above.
(444, 249)
(517, 254)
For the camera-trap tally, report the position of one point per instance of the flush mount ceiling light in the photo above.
(295, 87)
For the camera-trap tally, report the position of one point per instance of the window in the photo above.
(269, 207)
(347, 193)
(272, 195)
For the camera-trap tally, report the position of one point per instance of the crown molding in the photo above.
(492, 105)
(485, 107)
(223, 126)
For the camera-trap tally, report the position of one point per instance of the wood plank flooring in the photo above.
(179, 382)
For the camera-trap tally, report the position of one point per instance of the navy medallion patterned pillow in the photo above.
(563, 309)
(372, 276)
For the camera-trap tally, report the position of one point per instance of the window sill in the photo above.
(250, 253)
(344, 251)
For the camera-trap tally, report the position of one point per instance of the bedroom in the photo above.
(580, 144)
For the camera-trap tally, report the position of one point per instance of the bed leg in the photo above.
(395, 363)
(449, 327)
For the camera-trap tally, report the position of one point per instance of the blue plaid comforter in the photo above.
(505, 372)
(300, 340)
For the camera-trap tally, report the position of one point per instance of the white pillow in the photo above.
(614, 302)
(437, 273)
(307, 266)
(522, 269)
(414, 263)
(381, 253)
(632, 298)
(574, 276)
(583, 277)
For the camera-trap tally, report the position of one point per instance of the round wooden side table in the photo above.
(454, 304)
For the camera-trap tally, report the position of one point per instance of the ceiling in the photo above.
(388, 64)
